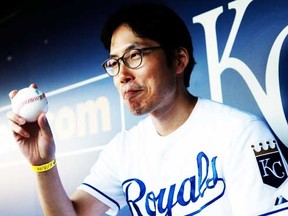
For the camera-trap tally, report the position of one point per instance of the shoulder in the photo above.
(230, 120)
(219, 110)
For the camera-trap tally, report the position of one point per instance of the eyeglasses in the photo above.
(132, 59)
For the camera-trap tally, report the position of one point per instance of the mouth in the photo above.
(131, 91)
(130, 94)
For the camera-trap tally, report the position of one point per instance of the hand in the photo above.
(35, 139)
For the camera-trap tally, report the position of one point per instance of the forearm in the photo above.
(53, 198)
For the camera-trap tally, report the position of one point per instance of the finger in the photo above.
(33, 85)
(12, 94)
(13, 117)
(18, 131)
(44, 126)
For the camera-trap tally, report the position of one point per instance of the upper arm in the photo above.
(86, 204)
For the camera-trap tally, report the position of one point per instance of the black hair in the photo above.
(156, 22)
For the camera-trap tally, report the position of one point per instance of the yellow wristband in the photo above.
(44, 167)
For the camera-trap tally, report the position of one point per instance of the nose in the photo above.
(125, 74)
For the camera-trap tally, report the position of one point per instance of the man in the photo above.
(189, 156)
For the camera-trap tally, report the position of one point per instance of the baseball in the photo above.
(29, 103)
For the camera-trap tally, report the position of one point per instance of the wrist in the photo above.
(44, 167)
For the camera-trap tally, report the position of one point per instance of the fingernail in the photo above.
(21, 121)
(45, 119)
(26, 135)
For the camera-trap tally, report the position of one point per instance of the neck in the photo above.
(172, 116)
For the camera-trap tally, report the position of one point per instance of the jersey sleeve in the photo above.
(103, 181)
(256, 173)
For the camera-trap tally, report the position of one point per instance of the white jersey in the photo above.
(219, 162)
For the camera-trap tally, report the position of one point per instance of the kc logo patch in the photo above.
(270, 163)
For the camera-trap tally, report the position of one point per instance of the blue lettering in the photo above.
(142, 189)
(166, 199)
(202, 181)
(180, 196)
(150, 198)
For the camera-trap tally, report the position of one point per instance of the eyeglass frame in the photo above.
(140, 50)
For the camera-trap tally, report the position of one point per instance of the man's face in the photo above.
(151, 87)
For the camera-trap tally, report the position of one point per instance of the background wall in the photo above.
(241, 49)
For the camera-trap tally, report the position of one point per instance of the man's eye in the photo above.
(135, 55)
(111, 63)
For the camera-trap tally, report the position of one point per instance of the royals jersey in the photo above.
(219, 162)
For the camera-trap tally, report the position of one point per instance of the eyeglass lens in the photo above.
(132, 59)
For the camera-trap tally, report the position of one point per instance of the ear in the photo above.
(182, 60)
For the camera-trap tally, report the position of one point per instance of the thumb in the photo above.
(46, 140)
(45, 127)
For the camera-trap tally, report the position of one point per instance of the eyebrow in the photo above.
(132, 46)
